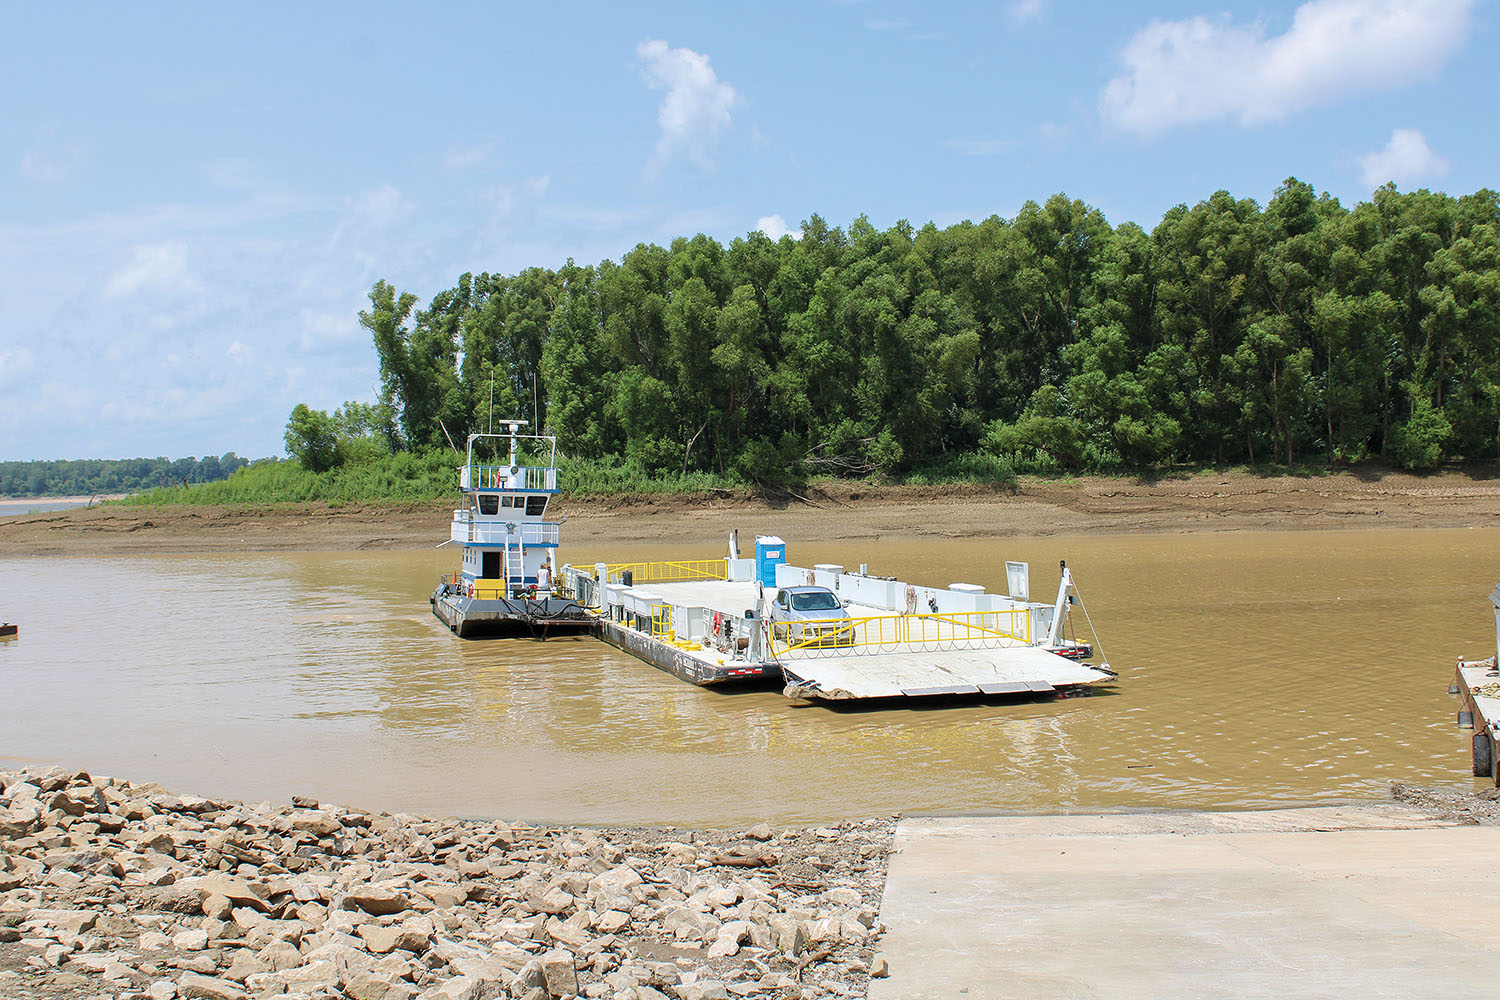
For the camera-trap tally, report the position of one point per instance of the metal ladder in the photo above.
(515, 567)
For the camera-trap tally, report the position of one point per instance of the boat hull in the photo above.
(472, 618)
(680, 663)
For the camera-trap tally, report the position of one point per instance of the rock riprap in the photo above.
(116, 890)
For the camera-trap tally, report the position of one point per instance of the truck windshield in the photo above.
(816, 600)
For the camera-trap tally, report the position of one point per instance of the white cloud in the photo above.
(1184, 72)
(775, 227)
(1406, 159)
(158, 267)
(240, 353)
(1023, 11)
(696, 108)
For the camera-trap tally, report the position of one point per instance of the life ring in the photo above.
(470, 588)
(718, 625)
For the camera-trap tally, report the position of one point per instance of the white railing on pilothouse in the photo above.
(533, 478)
(503, 532)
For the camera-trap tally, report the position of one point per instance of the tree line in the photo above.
(93, 476)
(1297, 331)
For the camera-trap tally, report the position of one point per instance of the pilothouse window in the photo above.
(489, 503)
(536, 506)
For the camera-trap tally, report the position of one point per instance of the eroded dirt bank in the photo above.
(1200, 502)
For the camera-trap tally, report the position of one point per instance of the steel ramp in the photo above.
(929, 673)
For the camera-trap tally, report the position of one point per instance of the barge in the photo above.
(727, 621)
(1477, 684)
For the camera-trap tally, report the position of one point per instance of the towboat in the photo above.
(7, 629)
(507, 580)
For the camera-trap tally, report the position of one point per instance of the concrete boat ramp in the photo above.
(1361, 901)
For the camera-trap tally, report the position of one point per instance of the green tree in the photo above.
(312, 439)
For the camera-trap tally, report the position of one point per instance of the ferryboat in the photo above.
(727, 621)
(822, 633)
(505, 585)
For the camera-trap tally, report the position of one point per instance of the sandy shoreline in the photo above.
(1209, 501)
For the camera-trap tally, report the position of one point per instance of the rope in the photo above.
(1082, 604)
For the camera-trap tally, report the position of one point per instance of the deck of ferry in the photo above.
(946, 660)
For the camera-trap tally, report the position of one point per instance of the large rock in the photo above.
(316, 822)
(217, 907)
(244, 965)
(612, 921)
(443, 895)
(788, 935)
(687, 924)
(457, 988)
(572, 933)
(195, 939)
(192, 986)
(377, 900)
(553, 901)
(486, 965)
(843, 896)
(309, 978)
(346, 959)
(72, 921)
(561, 978)
(279, 955)
(413, 937)
(238, 891)
(727, 942)
(76, 801)
(368, 986)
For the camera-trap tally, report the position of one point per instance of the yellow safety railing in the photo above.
(495, 590)
(661, 622)
(670, 572)
(490, 590)
(897, 633)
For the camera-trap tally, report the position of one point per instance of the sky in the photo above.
(195, 199)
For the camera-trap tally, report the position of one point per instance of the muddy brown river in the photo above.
(1257, 669)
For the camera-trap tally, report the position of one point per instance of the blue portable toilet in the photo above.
(770, 552)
